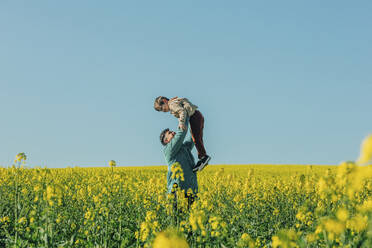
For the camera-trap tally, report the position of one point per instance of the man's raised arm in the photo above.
(189, 143)
(175, 144)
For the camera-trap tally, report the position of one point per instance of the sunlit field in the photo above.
(238, 206)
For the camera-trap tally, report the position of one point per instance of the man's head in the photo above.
(161, 104)
(166, 136)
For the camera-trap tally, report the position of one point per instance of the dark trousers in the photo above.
(197, 126)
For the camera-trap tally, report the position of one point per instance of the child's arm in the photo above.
(182, 120)
(188, 109)
(182, 113)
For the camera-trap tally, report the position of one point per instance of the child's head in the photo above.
(161, 104)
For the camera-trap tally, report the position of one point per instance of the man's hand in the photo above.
(182, 126)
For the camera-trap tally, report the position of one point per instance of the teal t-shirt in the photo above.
(179, 150)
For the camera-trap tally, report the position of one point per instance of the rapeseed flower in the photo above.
(112, 163)
(170, 239)
(342, 214)
(334, 226)
(20, 157)
(365, 151)
(357, 223)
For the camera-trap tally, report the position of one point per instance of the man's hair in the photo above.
(162, 135)
(159, 102)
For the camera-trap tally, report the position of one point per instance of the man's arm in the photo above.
(189, 143)
(175, 144)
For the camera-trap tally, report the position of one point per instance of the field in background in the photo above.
(238, 206)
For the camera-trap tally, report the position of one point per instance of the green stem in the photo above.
(16, 206)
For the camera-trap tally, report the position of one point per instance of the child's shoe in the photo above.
(196, 168)
(203, 162)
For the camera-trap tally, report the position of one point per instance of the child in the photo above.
(181, 108)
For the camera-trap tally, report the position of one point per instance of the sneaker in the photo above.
(196, 168)
(204, 161)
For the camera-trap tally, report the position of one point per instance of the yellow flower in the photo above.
(275, 212)
(193, 224)
(322, 185)
(87, 215)
(170, 239)
(311, 237)
(342, 214)
(300, 216)
(22, 220)
(5, 220)
(292, 234)
(365, 151)
(245, 241)
(20, 156)
(366, 206)
(50, 192)
(334, 226)
(214, 222)
(177, 171)
(276, 242)
(112, 163)
(245, 236)
(358, 223)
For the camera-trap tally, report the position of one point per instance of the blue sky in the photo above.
(280, 82)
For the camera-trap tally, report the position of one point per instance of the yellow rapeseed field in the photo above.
(238, 206)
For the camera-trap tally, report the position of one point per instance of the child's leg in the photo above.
(197, 126)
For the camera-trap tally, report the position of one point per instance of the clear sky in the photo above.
(280, 82)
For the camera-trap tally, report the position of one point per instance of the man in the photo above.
(177, 150)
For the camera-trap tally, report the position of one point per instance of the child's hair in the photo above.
(159, 102)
